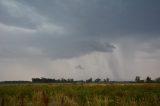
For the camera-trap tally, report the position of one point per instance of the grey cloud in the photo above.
(15, 15)
(50, 46)
(109, 18)
(58, 29)
(68, 48)
(102, 17)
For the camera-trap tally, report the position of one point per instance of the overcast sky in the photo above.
(79, 39)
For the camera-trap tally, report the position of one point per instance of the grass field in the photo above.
(80, 94)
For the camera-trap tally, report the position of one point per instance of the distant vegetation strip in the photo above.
(90, 80)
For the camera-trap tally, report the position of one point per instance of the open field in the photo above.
(80, 94)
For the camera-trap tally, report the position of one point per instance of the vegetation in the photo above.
(148, 80)
(80, 94)
(98, 80)
(157, 79)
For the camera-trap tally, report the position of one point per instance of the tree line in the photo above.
(49, 80)
(147, 80)
(90, 80)
(63, 80)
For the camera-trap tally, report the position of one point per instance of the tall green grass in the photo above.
(79, 94)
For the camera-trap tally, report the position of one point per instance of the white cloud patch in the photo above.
(14, 29)
(42, 24)
(17, 9)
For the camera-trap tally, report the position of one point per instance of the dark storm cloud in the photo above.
(71, 27)
(102, 17)
(52, 47)
(14, 19)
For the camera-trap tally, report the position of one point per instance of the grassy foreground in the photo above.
(80, 94)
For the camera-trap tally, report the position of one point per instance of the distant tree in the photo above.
(106, 80)
(98, 80)
(36, 80)
(137, 79)
(63, 80)
(157, 79)
(70, 80)
(89, 80)
(148, 79)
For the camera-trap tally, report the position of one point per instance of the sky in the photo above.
(80, 39)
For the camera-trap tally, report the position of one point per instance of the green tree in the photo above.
(148, 79)
(157, 79)
(137, 79)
